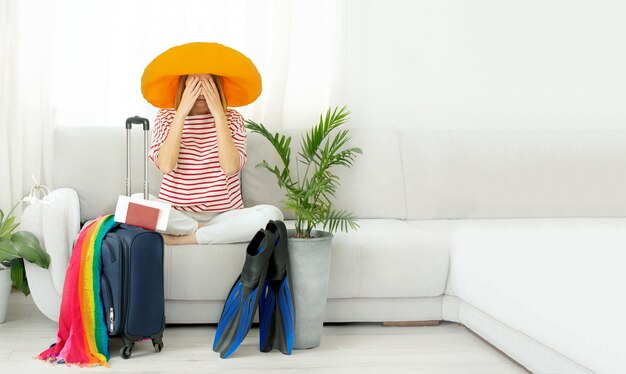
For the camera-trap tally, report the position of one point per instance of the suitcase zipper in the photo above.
(122, 271)
(124, 275)
(111, 313)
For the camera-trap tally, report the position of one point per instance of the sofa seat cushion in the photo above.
(382, 258)
(560, 281)
(387, 258)
(202, 272)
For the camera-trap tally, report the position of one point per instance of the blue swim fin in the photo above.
(243, 298)
(276, 306)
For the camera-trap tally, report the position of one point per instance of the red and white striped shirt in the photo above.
(198, 182)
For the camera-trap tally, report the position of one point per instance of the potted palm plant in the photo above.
(309, 197)
(15, 247)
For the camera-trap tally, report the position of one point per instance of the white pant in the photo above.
(233, 226)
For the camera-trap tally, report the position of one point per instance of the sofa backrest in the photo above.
(402, 173)
(509, 173)
(372, 188)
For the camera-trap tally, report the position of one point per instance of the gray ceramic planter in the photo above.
(310, 268)
(5, 292)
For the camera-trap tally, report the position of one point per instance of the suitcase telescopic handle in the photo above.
(136, 120)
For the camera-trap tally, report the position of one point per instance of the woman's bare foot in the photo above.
(180, 240)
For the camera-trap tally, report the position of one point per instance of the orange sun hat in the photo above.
(242, 81)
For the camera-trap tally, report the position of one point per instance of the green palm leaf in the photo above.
(339, 220)
(312, 141)
(280, 142)
(310, 197)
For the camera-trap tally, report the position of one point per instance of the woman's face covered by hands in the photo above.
(208, 98)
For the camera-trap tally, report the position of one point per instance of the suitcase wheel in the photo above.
(126, 351)
(158, 345)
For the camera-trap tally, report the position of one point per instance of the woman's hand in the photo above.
(193, 88)
(227, 151)
(212, 97)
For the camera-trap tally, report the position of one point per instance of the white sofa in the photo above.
(518, 234)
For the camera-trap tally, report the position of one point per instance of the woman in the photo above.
(200, 146)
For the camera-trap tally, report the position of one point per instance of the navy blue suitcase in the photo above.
(131, 282)
(132, 285)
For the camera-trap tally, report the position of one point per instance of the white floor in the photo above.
(349, 348)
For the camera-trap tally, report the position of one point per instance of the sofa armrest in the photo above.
(55, 221)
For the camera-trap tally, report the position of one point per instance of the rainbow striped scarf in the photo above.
(82, 336)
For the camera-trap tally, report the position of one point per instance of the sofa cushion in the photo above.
(387, 258)
(360, 265)
(378, 169)
(559, 281)
(519, 173)
(375, 173)
(202, 272)
(373, 186)
(443, 229)
(79, 164)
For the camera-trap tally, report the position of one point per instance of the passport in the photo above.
(142, 216)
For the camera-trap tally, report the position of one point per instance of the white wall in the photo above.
(485, 63)
(424, 63)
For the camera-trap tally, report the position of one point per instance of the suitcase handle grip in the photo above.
(136, 120)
